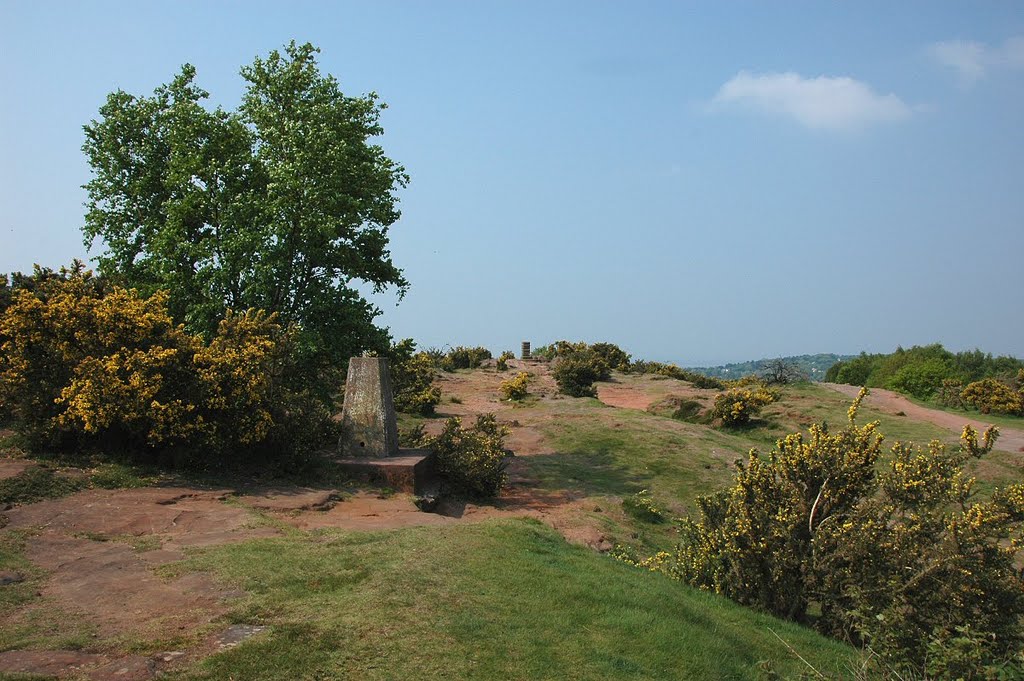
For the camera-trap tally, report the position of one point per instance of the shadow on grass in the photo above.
(591, 471)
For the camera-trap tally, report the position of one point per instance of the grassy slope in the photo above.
(603, 451)
(503, 599)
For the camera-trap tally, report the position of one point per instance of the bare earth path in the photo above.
(1010, 440)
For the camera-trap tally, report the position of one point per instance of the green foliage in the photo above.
(575, 374)
(949, 393)
(614, 356)
(854, 371)
(920, 370)
(899, 557)
(412, 378)
(516, 388)
(461, 357)
(282, 205)
(991, 396)
(503, 358)
(472, 460)
(920, 379)
(643, 507)
(80, 366)
(737, 406)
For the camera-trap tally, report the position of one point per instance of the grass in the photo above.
(503, 599)
(43, 481)
(36, 483)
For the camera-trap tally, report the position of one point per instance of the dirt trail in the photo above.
(1010, 440)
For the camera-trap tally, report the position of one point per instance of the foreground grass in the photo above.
(502, 599)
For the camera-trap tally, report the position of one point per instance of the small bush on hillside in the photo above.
(472, 460)
(502, 363)
(643, 507)
(614, 356)
(412, 379)
(435, 355)
(575, 374)
(679, 408)
(413, 436)
(464, 358)
(517, 388)
(992, 396)
(737, 406)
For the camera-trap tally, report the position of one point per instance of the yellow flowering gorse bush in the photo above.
(83, 365)
(517, 387)
(897, 553)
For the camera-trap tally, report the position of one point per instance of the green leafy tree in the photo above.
(282, 205)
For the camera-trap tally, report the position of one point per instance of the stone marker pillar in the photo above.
(525, 350)
(369, 426)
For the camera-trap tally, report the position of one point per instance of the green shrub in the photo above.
(472, 460)
(613, 355)
(991, 396)
(643, 507)
(464, 358)
(502, 363)
(949, 393)
(516, 388)
(412, 379)
(920, 379)
(737, 406)
(575, 374)
(679, 408)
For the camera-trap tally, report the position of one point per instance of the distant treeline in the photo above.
(811, 366)
(921, 370)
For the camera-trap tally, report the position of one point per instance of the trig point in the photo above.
(369, 437)
(368, 416)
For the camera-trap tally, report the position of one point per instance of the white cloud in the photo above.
(824, 102)
(965, 57)
(973, 60)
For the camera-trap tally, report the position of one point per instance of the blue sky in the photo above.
(700, 183)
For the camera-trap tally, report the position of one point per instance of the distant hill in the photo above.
(814, 366)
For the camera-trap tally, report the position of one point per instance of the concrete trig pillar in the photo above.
(369, 426)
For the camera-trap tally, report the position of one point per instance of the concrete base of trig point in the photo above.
(369, 441)
(411, 470)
